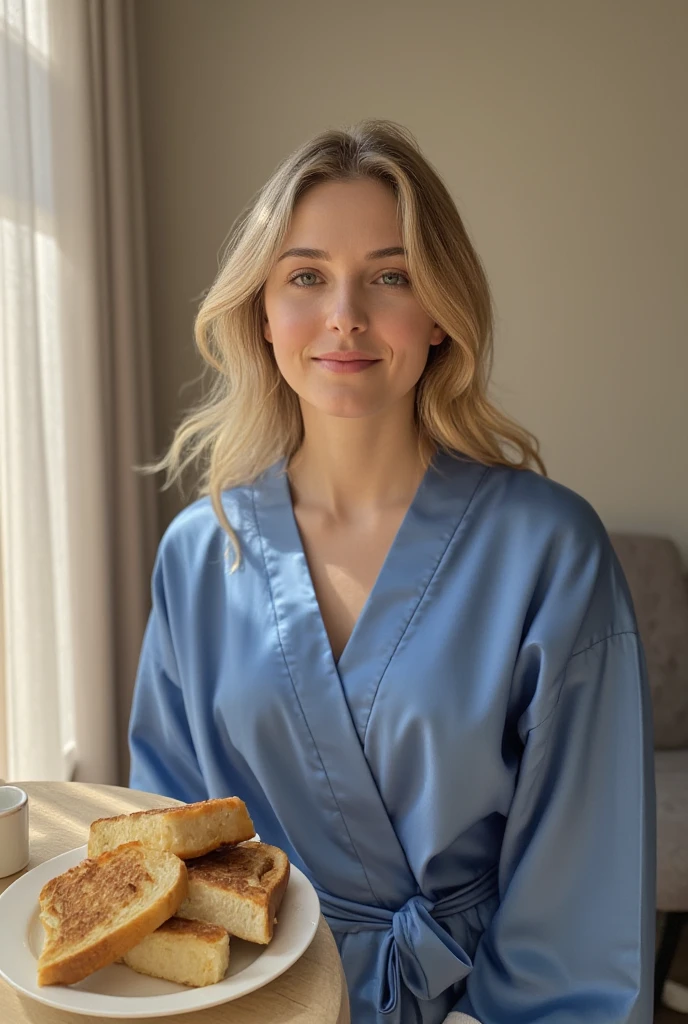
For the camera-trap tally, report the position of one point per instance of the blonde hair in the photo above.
(251, 417)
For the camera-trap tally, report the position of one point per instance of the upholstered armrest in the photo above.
(656, 578)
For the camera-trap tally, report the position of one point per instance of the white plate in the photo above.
(117, 991)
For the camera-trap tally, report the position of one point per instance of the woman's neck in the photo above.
(356, 468)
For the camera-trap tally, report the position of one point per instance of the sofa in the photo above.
(659, 587)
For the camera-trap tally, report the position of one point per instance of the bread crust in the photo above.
(276, 895)
(201, 930)
(102, 830)
(73, 967)
(201, 807)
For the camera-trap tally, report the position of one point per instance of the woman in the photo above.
(414, 657)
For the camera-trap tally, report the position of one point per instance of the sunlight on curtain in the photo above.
(54, 603)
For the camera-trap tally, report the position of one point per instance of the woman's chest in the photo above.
(344, 562)
(425, 661)
(419, 702)
(416, 720)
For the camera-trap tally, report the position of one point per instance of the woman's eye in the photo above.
(304, 273)
(396, 273)
(388, 273)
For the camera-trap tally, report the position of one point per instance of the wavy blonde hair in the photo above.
(250, 417)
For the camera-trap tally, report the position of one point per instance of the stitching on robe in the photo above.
(561, 678)
(420, 598)
(296, 694)
(537, 768)
(602, 640)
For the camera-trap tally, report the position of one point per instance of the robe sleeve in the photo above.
(163, 758)
(572, 939)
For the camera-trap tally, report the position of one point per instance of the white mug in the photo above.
(14, 830)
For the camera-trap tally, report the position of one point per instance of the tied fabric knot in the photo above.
(422, 952)
(416, 950)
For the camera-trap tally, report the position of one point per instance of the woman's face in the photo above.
(349, 335)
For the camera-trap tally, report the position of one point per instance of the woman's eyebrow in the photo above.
(320, 254)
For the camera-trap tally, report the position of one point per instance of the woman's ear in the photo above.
(438, 335)
(267, 333)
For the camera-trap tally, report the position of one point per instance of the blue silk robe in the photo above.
(470, 787)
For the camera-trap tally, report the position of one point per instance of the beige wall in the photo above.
(559, 128)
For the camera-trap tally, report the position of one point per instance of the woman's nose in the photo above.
(346, 312)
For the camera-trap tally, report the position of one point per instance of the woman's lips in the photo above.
(346, 365)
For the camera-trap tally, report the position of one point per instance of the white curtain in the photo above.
(61, 713)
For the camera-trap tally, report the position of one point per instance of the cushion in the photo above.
(671, 767)
(652, 566)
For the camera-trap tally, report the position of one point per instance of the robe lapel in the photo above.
(413, 559)
(336, 700)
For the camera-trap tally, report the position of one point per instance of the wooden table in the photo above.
(311, 992)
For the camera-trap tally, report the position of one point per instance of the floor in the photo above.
(679, 972)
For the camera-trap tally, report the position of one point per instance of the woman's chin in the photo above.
(356, 402)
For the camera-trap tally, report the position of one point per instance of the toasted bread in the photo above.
(238, 887)
(186, 952)
(189, 830)
(102, 907)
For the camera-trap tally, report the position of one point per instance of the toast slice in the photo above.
(186, 952)
(188, 830)
(238, 887)
(102, 907)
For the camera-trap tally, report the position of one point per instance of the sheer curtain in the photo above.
(77, 526)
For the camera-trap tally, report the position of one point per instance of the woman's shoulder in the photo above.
(536, 505)
(196, 528)
(557, 539)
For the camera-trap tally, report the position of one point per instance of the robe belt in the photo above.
(416, 949)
